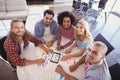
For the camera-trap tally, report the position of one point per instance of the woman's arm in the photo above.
(69, 50)
(73, 55)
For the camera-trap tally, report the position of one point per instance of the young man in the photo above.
(46, 29)
(17, 36)
(96, 68)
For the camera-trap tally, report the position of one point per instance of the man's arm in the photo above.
(75, 66)
(14, 58)
(37, 61)
(59, 36)
(39, 44)
(67, 76)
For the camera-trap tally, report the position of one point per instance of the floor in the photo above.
(109, 28)
(6, 72)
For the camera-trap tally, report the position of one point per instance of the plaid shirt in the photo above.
(13, 51)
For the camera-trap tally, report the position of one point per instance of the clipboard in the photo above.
(55, 57)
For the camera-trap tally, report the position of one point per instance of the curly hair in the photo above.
(66, 14)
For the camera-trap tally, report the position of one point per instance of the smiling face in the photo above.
(80, 29)
(48, 18)
(66, 22)
(18, 29)
(94, 54)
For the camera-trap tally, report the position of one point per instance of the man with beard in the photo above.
(46, 29)
(19, 35)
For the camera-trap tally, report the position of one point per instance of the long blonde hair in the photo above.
(87, 31)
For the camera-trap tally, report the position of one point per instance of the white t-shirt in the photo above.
(47, 34)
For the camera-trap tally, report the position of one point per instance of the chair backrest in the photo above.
(99, 37)
(115, 71)
(92, 13)
(3, 53)
(102, 4)
(2, 50)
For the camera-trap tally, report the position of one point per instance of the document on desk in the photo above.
(55, 57)
(46, 71)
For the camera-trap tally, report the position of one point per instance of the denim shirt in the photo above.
(40, 28)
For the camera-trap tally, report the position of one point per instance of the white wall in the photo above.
(63, 0)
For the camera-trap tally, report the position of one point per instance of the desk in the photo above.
(40, 72)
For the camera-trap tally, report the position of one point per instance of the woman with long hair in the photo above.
(82, 37)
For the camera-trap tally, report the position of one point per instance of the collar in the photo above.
(95, 66)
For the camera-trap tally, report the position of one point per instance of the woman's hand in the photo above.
(59, 47)
(67, 51)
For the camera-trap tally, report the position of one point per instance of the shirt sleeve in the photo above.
(34, 40)
(59, 36)
(39, 32)
(12, 53)
(55, 30)
(84, 44)
(91, 78)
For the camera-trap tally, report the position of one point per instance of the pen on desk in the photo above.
(45, 61)
(45, 58)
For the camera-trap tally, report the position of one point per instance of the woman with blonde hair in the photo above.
(83, 38)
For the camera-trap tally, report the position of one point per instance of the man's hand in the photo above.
(60, 70)
(73, 67)
(40, 61)
(49, 43)
(47, 50)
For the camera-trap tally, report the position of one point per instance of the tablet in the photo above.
(55, 57)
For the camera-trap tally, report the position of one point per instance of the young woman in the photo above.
(65, 30)
(82, 37)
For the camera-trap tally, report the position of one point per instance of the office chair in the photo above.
(3, 53)
(99, 37)
(92, 15)
(115, 71)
